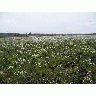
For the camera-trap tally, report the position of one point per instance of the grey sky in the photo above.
(48, 22)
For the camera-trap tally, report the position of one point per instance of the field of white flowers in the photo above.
(48, 60)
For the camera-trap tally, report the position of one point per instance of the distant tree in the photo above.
(17, 34)
(29, 33)
(26, 34)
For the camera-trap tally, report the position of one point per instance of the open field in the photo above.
(48, 60)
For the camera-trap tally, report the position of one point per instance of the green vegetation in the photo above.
(56, 60)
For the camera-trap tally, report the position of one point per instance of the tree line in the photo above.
(36, 34)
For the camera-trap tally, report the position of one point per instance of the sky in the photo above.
(48, 22)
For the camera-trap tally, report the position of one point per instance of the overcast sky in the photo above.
(48, 22)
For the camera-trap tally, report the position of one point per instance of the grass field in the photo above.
(48, 60)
